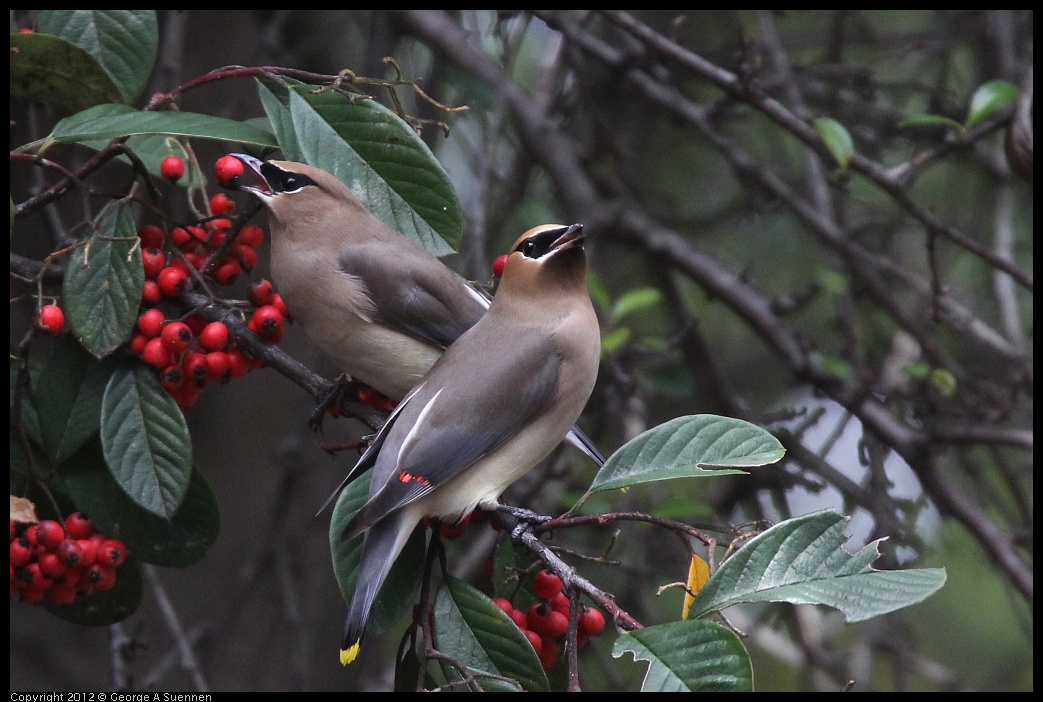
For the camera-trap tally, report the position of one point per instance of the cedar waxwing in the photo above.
(376, 304)
(469, 430)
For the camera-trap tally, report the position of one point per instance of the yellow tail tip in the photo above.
(347, 655)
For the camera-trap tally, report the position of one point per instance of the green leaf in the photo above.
(145, 440)
(370, 149)
(279, 118)
(689, 656)
(918, 370)
(103, 281)
(833, 282)
(837, 139)
(839, 367)
(681, 447)
(471, 629)
(598, 291)
(944, 382)
(989, 99)
(398, 593)
(801, 561)
(178, 542)
(50, 69)
(929, 121)
(106, 122)
(614, 339)
(109, 607)
(67, 395)
(123, 42)
(635, 300)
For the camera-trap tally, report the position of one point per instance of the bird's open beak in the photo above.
(572, 237)
(253, 179)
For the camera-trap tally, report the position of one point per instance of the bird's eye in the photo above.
(292, 183)
(528, 248)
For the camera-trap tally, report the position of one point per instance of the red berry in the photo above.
(504, 604)
(520, 620)
(245, 255)
(151, 236)
(214, 336)
(591, 622)
(112, 553)
(150, 292)
(220, 203)
(172, 168)
(238, 364)
(546, 621)
(278, 304)
(195, 260)
(88, 551)
(20, 553)
(198, 233)
(251, 235)
(534, 639)
(218, 367)
(154, 260)
(196, 367)
(228, 170)
(62, 594)
(176, 337)
(218, 225)
(186, 395)
(547, 585)
(157, 354)
(70, 553)
(137, 343)
(51, 565)
(499, 264)
(549, 653)
(78, 526)
(34, 577)
(560, 602)
(173, 281)
(100, 578)
(172, 377)
(51, 319)
(228, 272)
(267, 322)
(261, 293)
(180, 236)
(49, 534)
(150, 323)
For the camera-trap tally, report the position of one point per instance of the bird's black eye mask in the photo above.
(280, 181)
(539, 245)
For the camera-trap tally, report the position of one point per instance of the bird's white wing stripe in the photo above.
(412, 435)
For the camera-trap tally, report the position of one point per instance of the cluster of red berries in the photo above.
(545, 622)
(190, 353)
(62, 563)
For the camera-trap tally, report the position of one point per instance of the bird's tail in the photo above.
(383, 542)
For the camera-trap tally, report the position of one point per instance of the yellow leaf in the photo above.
(698, 574)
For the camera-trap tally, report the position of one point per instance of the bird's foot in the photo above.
(360, 444)
(343, 389)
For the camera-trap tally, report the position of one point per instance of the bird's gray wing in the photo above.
(448, 426)
(414, 293)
